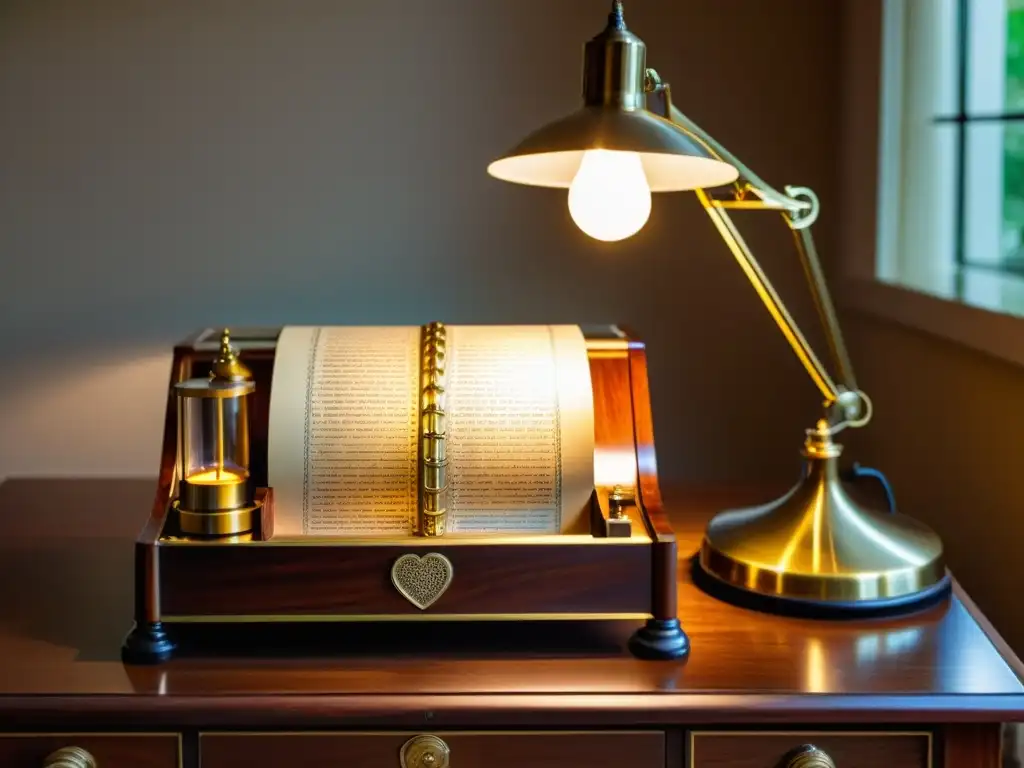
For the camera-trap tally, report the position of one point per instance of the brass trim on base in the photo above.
(225, 496)
(306, 618)
(816, 544)
(405, 731)
(228, 522)
(637, 538)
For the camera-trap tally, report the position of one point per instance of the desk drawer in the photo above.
(492, 749)
(105, 750)
(769, 749)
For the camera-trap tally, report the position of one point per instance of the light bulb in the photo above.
(609, 197)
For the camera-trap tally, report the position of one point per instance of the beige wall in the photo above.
(166, 166)
(949, 421)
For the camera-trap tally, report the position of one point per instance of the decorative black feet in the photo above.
(147, 643)
(660, 639)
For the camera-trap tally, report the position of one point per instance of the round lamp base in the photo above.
(818, 552)
(810, 608)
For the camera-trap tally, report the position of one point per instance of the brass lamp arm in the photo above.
(799, 207)
(802, 211)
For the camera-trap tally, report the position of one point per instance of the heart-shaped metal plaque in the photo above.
(422, 580)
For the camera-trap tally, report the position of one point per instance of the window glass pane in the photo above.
(994, 194)
(930, 54)
(995, 291)
(1015, 56)
(987, 48)
(995, 57)
(926, 240)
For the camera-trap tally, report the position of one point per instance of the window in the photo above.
(951, 216)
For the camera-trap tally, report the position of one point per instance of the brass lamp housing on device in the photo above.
(215, 496)
(816, 550)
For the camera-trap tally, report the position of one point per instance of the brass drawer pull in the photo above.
(420, 752)
(807, 756)
(69, 757)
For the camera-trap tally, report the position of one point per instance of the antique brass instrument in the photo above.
(214, 489)
(209, 555)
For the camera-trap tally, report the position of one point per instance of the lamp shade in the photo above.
(672, 160)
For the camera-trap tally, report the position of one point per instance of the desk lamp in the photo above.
(816, 550)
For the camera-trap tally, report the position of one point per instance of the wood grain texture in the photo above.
(519, 578)
(613, 412)
(643, 429)
(974, 745)
(853, 750)
(665, 548)
(467, 750)
(67, 545)
(110, 751)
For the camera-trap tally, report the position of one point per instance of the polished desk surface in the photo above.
(66, 560)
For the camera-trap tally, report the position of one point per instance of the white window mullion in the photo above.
(923, 221)
(986, 89)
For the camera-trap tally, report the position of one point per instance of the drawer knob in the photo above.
(69, 757)
(807, 756)
(422, 752)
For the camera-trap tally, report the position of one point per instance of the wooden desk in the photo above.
(925, 690)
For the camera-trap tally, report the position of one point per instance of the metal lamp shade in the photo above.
(672, 160)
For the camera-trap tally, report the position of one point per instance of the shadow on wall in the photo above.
(946, 432)
(173, 167)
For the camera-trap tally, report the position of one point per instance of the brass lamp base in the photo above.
(820, 553)
(223, 522)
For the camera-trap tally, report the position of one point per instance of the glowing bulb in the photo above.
(609, 197)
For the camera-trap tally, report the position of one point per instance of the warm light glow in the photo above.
(614, 466)
(816, 672)
(609, 198)
(215, 477)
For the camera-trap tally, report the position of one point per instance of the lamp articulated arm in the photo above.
(816, 548)
(799, 207)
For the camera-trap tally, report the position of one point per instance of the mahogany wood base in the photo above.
(354, 582)
(201, 587)
(343, 642)
(147, 643)
(181, 582)
(660, 639)
(923, 691)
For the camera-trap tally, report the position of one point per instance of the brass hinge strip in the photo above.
(433, 459)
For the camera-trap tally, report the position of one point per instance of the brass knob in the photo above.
(69, 757)
(618, 500)
(807, 756)
(425, 751)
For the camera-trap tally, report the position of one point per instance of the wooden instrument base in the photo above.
(622, 569)
(928, 690)
(259, 579)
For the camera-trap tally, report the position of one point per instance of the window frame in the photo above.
(872, 278)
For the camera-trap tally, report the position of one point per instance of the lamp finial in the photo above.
(227, 366)
(615, 18)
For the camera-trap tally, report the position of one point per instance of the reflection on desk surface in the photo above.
(66, 562)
